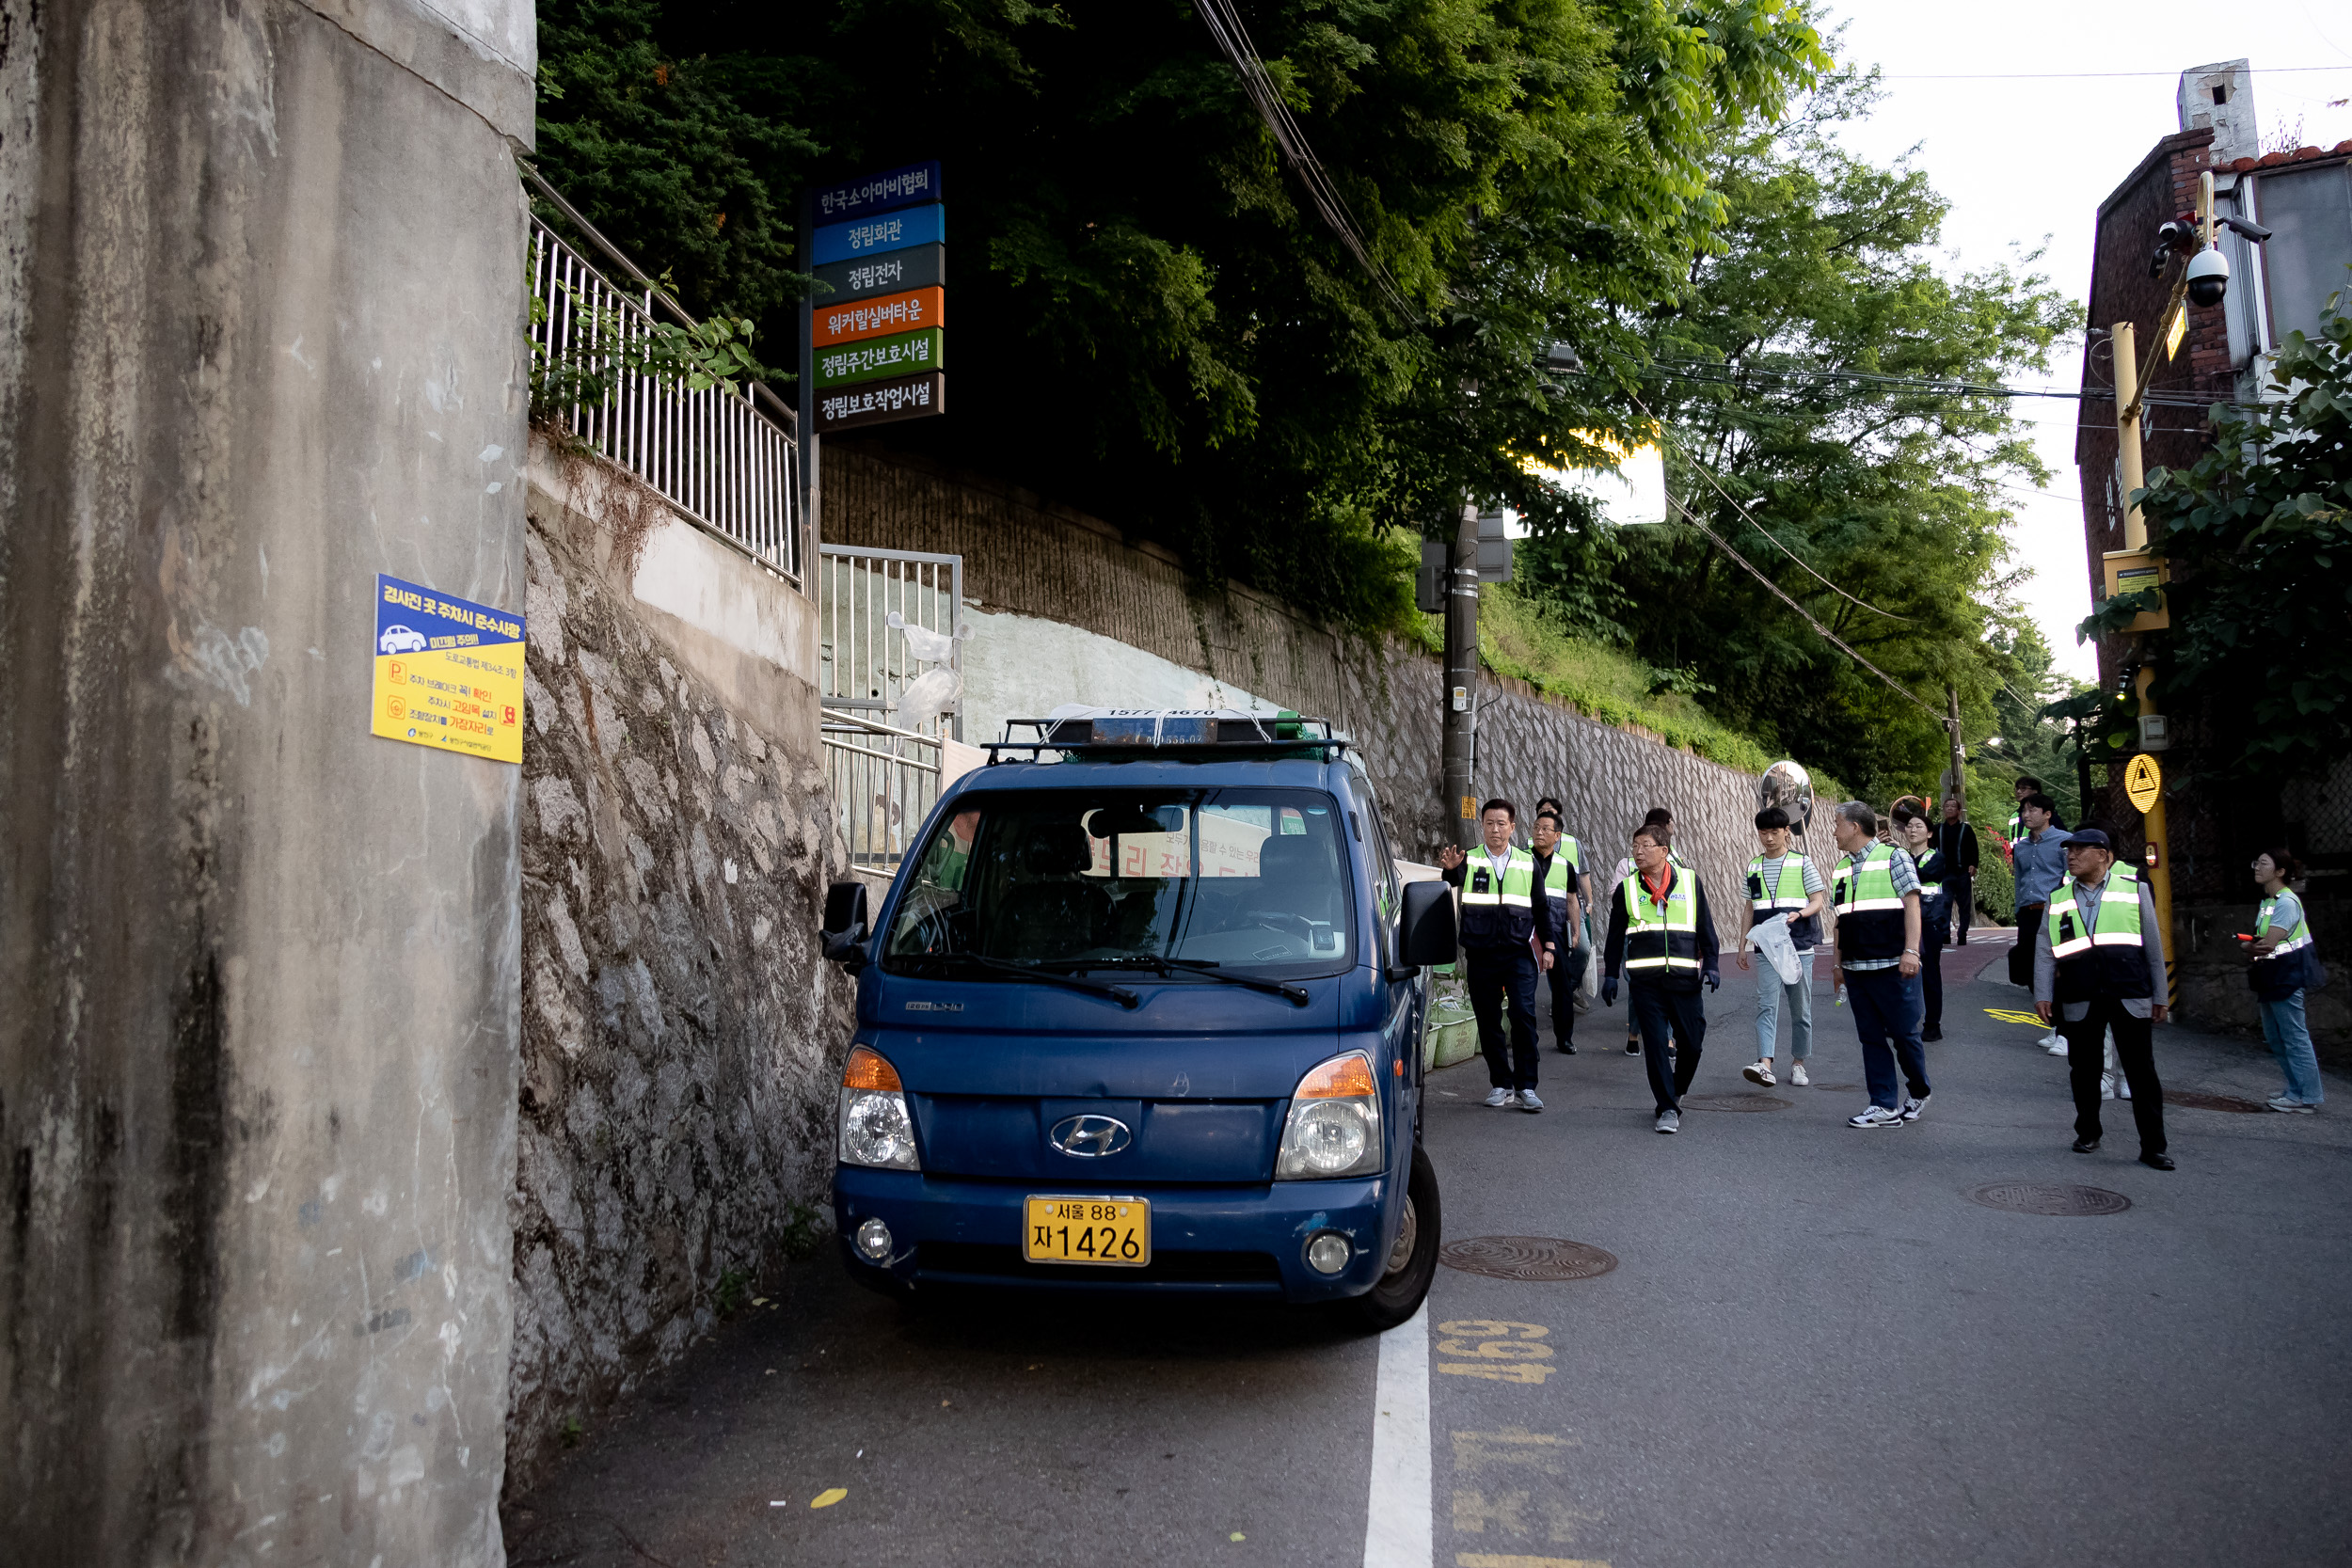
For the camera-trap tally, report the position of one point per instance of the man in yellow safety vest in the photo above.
(1499, 956)
(2099, 963)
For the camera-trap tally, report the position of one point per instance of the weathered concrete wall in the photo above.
(260, 338)
(1024, 666)
(1063, 598)
(682, 1037)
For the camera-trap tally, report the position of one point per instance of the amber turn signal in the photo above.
(867, 1070)
(1341, 1078)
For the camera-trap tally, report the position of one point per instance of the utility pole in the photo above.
(1461, 678)
(1959, 754)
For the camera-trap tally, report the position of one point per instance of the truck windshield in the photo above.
(1237, 878)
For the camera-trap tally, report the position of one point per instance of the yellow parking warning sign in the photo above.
(2143, 782)
(449, 673)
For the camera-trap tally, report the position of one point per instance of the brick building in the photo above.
(2305, 197)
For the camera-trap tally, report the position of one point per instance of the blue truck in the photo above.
(1141, 1012)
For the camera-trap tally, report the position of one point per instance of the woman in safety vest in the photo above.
(2285, 965)
(1917, 839)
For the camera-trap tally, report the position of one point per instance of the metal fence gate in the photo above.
(883, 762)
(865, 664)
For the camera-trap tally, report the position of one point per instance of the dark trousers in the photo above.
(1500, 981)
(2135, 1047)
(2021, 956)
(1964, 889)
(1661, 1013)
(1886, 1015)
(1932, 975)
(1568, 973)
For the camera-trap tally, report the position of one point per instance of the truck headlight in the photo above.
(875, 1128)
(1333, 1128)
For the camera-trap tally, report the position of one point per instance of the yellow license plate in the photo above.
(1113, 1231)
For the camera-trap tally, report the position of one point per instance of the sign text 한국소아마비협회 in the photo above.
(905, 186)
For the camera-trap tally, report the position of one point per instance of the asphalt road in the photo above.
(1815, 1350)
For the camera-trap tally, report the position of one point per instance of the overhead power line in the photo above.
(1717, 373)
(1894, 684)
(2093, 75)
(1709, 474)
(1233, 39)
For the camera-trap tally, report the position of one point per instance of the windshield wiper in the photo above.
(1192, 966)
(1120, 994)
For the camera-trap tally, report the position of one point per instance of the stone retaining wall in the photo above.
(681, 1034)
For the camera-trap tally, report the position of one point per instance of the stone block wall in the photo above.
(681, 1036)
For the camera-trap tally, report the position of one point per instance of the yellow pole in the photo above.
(2160, 875)
(2126, 343)
(2135, 538)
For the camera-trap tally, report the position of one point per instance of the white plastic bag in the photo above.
(1772, 940)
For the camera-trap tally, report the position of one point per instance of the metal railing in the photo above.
(884, 782)
(711, 455)
(865, 664)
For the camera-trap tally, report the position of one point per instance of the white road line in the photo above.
(1398, 1529)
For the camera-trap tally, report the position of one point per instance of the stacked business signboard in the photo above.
(877, 327)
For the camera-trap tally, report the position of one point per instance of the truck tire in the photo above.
(1413, 1259)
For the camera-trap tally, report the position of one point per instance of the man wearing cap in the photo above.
(2099, 961)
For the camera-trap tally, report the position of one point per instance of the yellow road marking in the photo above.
(829, 1497)
(2011, 1015)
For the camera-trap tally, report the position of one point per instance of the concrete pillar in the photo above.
(261, 302)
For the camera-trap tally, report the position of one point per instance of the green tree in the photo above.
(1147, 321)
(1786, 380)
(2259, 534)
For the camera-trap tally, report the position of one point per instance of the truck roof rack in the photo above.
(1193, 733)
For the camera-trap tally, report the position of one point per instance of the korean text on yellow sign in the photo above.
(449, 673)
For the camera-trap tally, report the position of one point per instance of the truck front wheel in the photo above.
(1413, 1259)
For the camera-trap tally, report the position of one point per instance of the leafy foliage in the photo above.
(2259, 532)
(1870, 502)
(609, 347)
(1149, 323)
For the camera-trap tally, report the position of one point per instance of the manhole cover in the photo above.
(1527, 1258)
(2048, 1197)
(2209, 1102)
(1734, 1103)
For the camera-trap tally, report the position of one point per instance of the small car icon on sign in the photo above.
(400, 640)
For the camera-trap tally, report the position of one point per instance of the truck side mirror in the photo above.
(843, 933)
(1426, 931)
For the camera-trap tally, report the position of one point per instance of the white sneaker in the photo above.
(1668, 1121)
(2293, 1107)
(2054, 1043)
(1876, 1116)
(1796, 1075)
(1498, 1099)
(1760, 1073)
(1528, 1102)
(1913, 1107)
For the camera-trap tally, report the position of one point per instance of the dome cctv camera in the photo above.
(2208, 278)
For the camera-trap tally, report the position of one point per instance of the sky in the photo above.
(2025, 159)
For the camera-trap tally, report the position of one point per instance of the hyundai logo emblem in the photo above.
(1089, 1137)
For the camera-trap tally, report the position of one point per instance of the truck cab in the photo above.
(1141, 1012)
